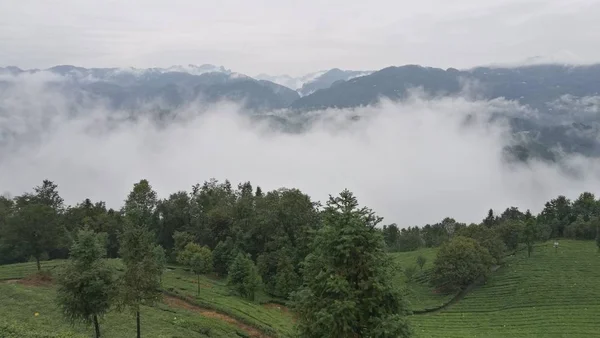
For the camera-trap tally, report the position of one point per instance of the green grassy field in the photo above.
(214, 294)
(551, 294)
(419, 293)
(232, 316)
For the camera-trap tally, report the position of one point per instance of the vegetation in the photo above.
(86, 285)
(243, 277)
(241, 253)
(347, 289)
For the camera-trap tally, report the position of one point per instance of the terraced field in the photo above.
(551, 294)
(215, 313)
(419, 293)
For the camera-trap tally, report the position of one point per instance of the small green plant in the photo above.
(421, 260)
(410, 272)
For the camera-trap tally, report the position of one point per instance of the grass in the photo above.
(214, 294)
(550, 294)
(21, 302)
(419, 293)
(269, 318)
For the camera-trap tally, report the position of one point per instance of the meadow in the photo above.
(553, 293)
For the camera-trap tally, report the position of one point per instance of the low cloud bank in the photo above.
(413, 162)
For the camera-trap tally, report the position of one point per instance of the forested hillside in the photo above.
(266, 247)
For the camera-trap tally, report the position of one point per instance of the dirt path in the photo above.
(182, 304)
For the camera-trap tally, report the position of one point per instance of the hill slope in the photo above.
(551, 294)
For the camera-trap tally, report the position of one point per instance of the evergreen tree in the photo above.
(348, 289)
(85, 287)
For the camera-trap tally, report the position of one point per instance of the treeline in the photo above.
(274, 228)
(330, 260)
(560, 218)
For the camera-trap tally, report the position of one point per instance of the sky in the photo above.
(296, 37)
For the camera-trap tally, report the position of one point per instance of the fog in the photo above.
(413, 162)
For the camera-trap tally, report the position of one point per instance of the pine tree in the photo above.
(348, 289)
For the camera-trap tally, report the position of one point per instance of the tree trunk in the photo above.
(96, 326)
(37, 260)
(139, 333)
(198, 285)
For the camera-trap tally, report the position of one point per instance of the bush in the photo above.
(421, 260)
(459, 263)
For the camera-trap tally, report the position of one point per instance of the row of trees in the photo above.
(330, 262)
(560, 217)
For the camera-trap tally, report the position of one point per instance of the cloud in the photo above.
(296, 37)
(413, 162)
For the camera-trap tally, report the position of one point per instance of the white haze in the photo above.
(413, 162)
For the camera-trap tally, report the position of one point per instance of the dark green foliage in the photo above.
(421, 260)
(529, 235)
(243, 276)
(459, 263)
(409, 272)
(140, 283)
(487, 237)
(509, 232)
(582, 229)
(85, 286)
(174, 215)
(347, 289)
(223, 255)
(34, 226)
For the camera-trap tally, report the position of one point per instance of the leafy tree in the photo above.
(223, 255)
(198, 258)
(86, 284)
(174, 214)
(180, 240)
(140, 284)
(529, 235)
(598, 234)
(487, 237)
(243, 276)
(161, 259)
(421, 260)
(286, 278)
(347, 286)
(35, 227)
(509, 232)
(459, 263)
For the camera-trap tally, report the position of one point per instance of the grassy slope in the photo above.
(19, 302)
(548, 295)
(418, 292)
(215, 294)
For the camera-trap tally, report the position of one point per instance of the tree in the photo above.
(223, 256)
(459, 263)
(529, 235)
(347, 288)
(421, 260)
(161, 259)
(490, 220)
(35, 227)
(140, 284)
(243, 276)
(409, 272)
(198, 258)
(598, 234)
(85, 287)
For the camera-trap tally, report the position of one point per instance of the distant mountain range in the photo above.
(565, 98)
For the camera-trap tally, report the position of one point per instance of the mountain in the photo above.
(168, 88)
(563, 102)
(312, 82)
(566, 101)
(327, 79)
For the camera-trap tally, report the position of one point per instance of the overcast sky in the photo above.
(296, 37)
